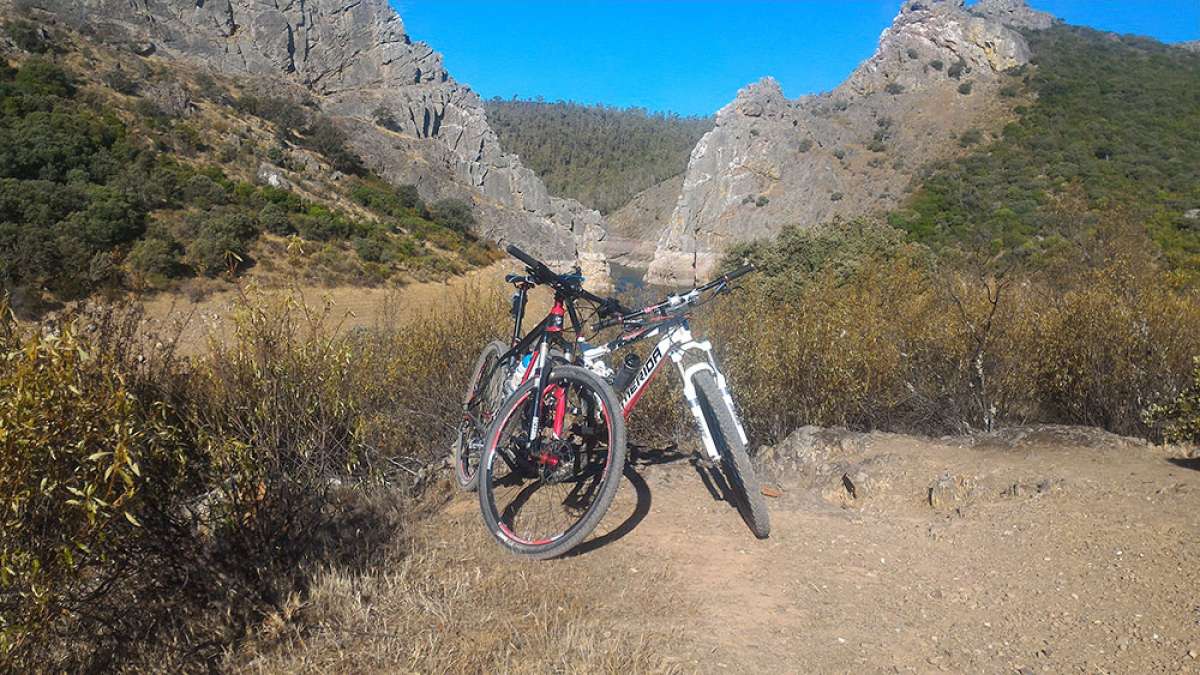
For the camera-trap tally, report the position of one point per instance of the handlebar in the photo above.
(676, 301)
(566, 284)
(536, 267)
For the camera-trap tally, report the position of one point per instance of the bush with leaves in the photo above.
(221, 242)
(892, 337)
(83, 455)
(453, 214)
(1179, 419)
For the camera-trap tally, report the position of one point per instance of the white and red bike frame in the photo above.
(690, 357)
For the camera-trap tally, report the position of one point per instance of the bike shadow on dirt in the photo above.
(1192, 463)
(639, 457)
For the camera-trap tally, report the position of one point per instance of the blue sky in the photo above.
(691, 56)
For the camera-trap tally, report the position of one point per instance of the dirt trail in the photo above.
(1052, 558)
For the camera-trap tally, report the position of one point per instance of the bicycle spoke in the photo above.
(541, 508)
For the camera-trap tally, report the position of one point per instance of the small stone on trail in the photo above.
(771, 491)
(949, 491)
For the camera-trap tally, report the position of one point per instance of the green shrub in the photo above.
(274, 219)
(936, 64)
(453, 214)
(203, 192)
(374, 249)
(1179, 420)
(119, 81)
(970, 137)
(894, 88)
(394, 201)
(965, 88)
(29, 37)
(154, 257)
(324, 136)
(78, 449)
(221, 243)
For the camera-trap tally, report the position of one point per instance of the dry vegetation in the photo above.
(222, 510)
(854, 327)
(442, 600)
(150, 501)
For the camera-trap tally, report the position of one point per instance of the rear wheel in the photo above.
(735, 461)
(485, 393)
(542, 504)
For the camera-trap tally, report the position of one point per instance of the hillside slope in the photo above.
(599, 155)
(120, 175)
(995, 116)
(1115, 124)
(401, 110)
(937, 73)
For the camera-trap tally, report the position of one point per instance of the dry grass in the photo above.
(446, 600)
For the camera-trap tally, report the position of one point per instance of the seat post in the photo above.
(519, 311)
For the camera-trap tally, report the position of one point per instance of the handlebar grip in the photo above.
(539, 268)
(522, 256)
(612, 307)
(739, 272)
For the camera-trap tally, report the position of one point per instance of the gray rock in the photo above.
(170, 97)
(1014, 13)
(1191, 46)
(273, 176)
(862, 141)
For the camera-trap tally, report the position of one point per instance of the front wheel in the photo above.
(735, 461)
(541, 503)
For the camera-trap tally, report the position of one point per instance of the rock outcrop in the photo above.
(357, 59)
(770, 161)
(1014, 13)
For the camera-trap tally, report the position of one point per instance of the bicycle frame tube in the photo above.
(675, 345)
(519, 301)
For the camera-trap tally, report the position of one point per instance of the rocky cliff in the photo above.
(930, 89)
(356, 58)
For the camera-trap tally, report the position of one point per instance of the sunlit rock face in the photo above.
(771, 161)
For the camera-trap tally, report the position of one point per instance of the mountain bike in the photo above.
(545, 482)
(704, 386)
(500, 370)
(555, 452)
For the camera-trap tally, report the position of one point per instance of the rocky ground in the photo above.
(1046, 549)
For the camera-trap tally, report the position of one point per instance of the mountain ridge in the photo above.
(771, 161)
